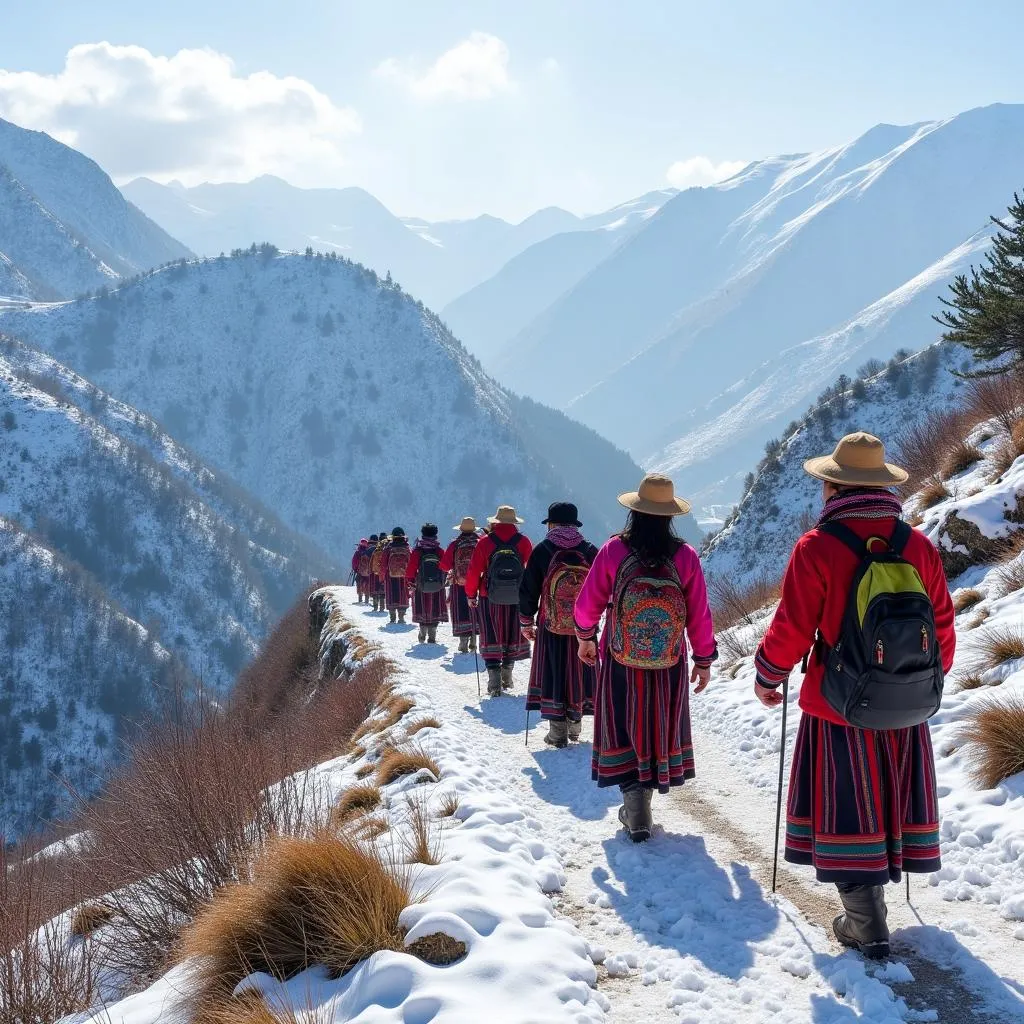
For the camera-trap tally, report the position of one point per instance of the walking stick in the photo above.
(778, 799)
(476, 651)
(527, 727)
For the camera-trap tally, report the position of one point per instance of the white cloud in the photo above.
(699, 170)
(189, 116)
(475, 69)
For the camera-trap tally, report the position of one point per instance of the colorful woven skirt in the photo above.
(396, 593)
(862, 804)
(463, 617)
(429, 609)
(501, 637)
(561, 686)
(642, 726)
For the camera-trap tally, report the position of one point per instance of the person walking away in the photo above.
(394, 566)
(361, 567)
(492, 588)
(425, 578)
(561, 686)
(652, 585)
(377, 571)
(456, 562)
(867, 596)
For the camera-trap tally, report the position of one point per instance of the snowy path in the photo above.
(684, 926)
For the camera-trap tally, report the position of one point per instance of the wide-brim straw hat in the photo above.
(858, 461)
(505, 514)
(656, 496)
(468, 525)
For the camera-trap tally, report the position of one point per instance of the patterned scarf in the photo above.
(565, 537)
(861, 503)
(428, 543)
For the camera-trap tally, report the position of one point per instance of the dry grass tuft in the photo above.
(962, 456)
(967, 599)
(364, 730)
(423, 723)
(365, 771)
(980, 619)
(371, 828)
(972, 681)
(356, 752)
(449, 804)
(932, 491)
(994, 730)
(1010, 578)
(395, 763)
(397, 707)
(321, 901)
(251, 1008)
(89, 918)
(422, 846)
(356, 800)
(996, 646)
(437, 949)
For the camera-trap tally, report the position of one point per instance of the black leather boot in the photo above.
(431, 634)
(863, 926)
(493, 680)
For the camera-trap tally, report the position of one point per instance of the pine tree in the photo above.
(986, 311)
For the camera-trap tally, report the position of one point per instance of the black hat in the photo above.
(429, 530)
(373, 538)
(563, 513)
(398, 532)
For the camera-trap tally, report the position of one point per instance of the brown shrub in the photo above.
(320, 901)
(735, 605)
(365, 770)
(923, 449)
(998, 398)
(423, 723)
(995, 646)
(395, 763)
(967, 599)
(961, 457)
(355, 800)
(932, 491)
(89, 918)
(994, 730)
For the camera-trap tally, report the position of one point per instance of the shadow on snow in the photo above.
(562, 777)
(427, 652)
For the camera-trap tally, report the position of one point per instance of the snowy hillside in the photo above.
(103, 511)
(488, 316)
(64, 225)
(333, 397)
(779, 499)
(795, 270)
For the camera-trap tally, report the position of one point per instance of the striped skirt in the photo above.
(501, 637)
(377, 588)
(396, 593)
(862, 804)
(561, 686)
(364, 586)
(429, 609)
(463, 617)
(642, 726)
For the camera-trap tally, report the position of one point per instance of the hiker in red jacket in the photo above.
(455, 562)
(376, 571)
(862, 804)
(426, 578)
(393, 566)
(492, 588)
(361, 568)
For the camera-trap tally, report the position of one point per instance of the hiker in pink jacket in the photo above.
(652, 585)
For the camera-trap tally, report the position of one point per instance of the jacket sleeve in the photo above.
(414, 565)
(448, 558)
(355, 561)
(532, 582)
(792, 631)
(699, 626)
(593, 598)
(938, 591)
(476, 567)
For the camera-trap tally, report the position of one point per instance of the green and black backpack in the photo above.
(885, 670)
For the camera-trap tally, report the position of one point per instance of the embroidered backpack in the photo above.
(505, 572)
(648, 615)
(398, 561)
(565, 577)
(884, 671)
(429, 577)
(375, 559)
(463, 556)
(363, 565)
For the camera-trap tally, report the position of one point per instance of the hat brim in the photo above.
(562, 522)
(464, 529)
(495, 521)
(633, 501)
(826, 468)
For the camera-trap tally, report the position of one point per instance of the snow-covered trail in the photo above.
(684, 926)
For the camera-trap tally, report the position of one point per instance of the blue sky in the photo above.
(448, 109)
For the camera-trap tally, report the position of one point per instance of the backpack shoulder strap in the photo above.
(845, 535)
(900, 537)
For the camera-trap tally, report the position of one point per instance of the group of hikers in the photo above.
(864, 605)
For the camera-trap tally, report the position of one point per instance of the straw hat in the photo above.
(468, 525)
(858, 461)
(656, 496)
(505, 514)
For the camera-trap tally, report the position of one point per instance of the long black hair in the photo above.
(652, 539)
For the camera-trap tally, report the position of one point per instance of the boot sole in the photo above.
(558, 744)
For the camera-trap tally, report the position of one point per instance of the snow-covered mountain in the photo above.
(488, 316)
(700, 336)
(64, 227)
(332, 396)
(127, 562)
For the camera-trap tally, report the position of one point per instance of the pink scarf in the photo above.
(565, 537)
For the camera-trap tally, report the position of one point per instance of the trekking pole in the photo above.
(527, 727)
(908, 885)
(476, 650)
(778, 799)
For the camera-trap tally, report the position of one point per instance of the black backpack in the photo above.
(885, 670)
(429, 577)
(504, 572)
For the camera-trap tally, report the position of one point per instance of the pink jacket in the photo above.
(596, 595)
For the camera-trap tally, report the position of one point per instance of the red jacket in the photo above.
(814, 593)
(476, 577)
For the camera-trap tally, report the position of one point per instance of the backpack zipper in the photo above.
(925, 639)
(879, 653)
